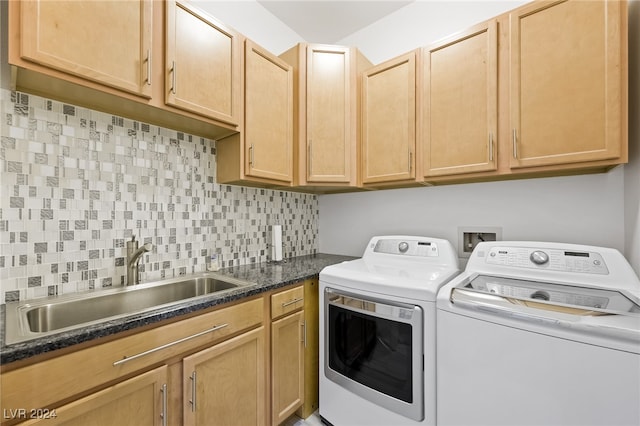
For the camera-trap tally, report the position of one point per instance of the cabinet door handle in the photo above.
(515, 143)
(251, 155)
(192, 401)
(309, 160)
(292, 302)
(410, 162)
(490, 146)
(163, 414)
(149, 67)
(173, 77)
(303, 324)
(159, 348)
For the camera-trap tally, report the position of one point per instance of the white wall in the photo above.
(569, 209)
(632, 170)
(423, 22)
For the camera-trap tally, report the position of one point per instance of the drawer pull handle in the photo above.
(292, 302)
(159, 348)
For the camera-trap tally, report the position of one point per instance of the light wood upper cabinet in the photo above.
(109, 56)
(460, 103)
(330, 108)
(202, 64)
(268, 115)
(389, 121)
(56, 34)
(326, 119)
(263, 151)
(225, 384)
(568, 73)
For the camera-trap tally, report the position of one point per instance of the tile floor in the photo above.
(312, 420)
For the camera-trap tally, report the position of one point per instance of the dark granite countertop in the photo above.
(266, 276)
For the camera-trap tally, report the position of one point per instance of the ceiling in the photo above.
(327, 21)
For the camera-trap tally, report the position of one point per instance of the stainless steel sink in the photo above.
(28, 320)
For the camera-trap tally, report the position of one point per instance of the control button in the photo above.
(403, 247)
(539, 257)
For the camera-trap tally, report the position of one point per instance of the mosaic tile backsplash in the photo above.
(78, 183)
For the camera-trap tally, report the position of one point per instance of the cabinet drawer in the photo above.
(45, 383)
(287, 301)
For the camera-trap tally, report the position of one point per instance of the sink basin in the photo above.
(27, 320)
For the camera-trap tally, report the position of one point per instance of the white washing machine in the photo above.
(377, 332)
(539, 334)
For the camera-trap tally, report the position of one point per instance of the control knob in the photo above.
(403, 247)
(539, 257)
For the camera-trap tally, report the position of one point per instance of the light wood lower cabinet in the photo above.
(241, 364)
(287, 347)
(311, 348)
(63, 382)
(139, 401)
(225, 384)
(287, 353)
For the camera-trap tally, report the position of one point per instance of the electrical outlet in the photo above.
(470, 236)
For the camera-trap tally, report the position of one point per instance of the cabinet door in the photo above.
(104, 41)
(389, 121)
(287, 365)
(202, 64)
(330, 125)
(225, 384)
(141, 400)
(268, 115)
(461, 103)
(312, 344)
(567, 82)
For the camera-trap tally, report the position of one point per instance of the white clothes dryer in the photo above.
(377, 332)
(539, 334)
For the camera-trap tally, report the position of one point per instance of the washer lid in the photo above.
(552, 296)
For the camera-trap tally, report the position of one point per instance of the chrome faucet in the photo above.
(133, 256)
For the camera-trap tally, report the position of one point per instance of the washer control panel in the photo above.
(552, 259)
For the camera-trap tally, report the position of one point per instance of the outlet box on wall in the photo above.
(470, 236)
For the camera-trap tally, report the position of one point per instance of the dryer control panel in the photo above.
(543, 258)
(406, 247)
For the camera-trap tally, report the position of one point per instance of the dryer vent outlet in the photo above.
(469, 237)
